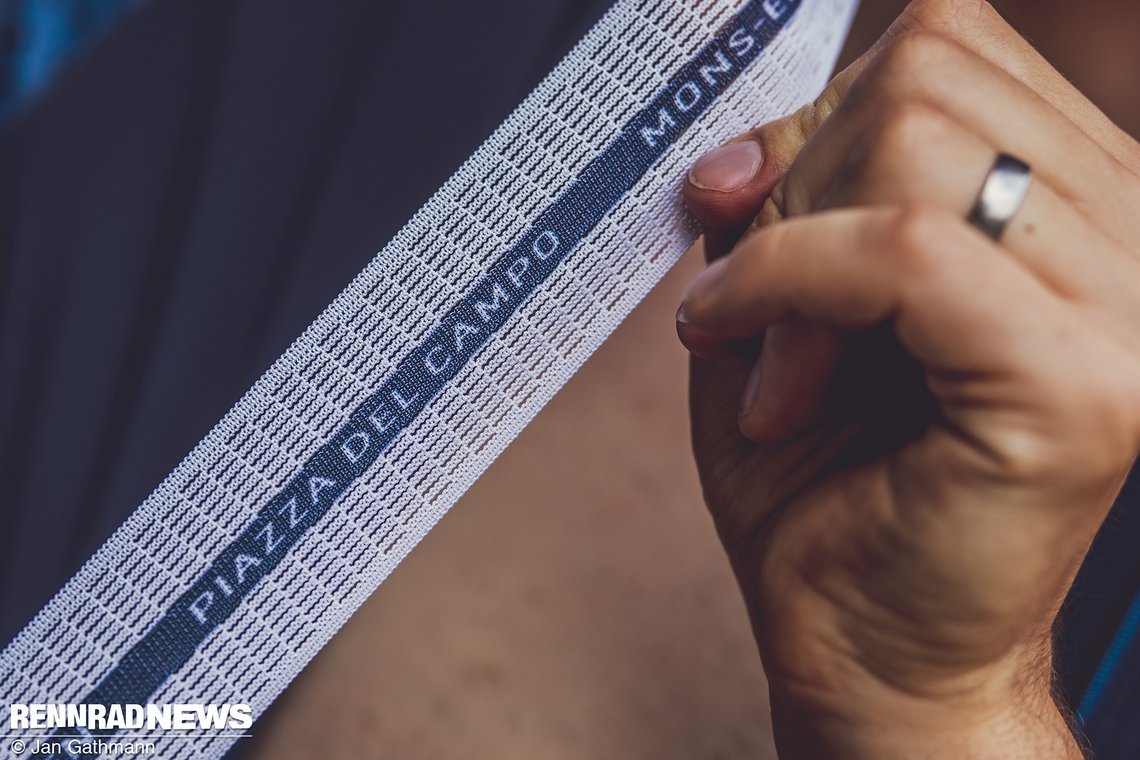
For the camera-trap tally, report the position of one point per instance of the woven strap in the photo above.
(258, 547)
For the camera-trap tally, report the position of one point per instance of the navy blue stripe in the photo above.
(421, 375)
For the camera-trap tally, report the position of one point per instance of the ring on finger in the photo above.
(1002, 195)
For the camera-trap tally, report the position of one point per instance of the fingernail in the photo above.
(703, 284)
(698, 342)
(728, 168)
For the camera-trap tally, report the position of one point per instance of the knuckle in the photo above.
(912, 235)
(914, 53)
(900, 139)
(945, 14)
(908, 126)
(1026, 456)
(902, 71)
(1118, 412)
(1097, 430)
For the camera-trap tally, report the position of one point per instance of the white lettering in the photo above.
(709, 72)
(665, 120)
(545, 245)
(200, 605)
(499, 294)
(243, 562)
(776, 8)
(687, 97)
(463, 329)
(741, 41)
(115, 717)
(517, 269)
(56, 715)
(354, 455)
(213, 716)
(161, 717)
(432, 365)
(241, 716)
(318, 484)
(82, 719)
(404, 403)
(185, 717)
(267, 533)
(381, 423)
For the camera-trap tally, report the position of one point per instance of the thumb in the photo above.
(727, 187)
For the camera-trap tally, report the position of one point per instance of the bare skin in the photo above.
(596, 616)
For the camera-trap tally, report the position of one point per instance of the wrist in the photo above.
(1004, 713)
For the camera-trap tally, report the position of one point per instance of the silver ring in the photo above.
(1002, 195)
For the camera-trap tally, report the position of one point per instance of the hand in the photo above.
(908, 477)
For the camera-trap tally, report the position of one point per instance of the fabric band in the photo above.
(255, 550)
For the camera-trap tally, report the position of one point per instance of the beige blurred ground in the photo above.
(576, 604)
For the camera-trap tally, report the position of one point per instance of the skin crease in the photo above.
(591, 614)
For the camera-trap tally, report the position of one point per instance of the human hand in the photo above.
(937, 424)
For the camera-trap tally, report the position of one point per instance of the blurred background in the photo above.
(184, 184)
